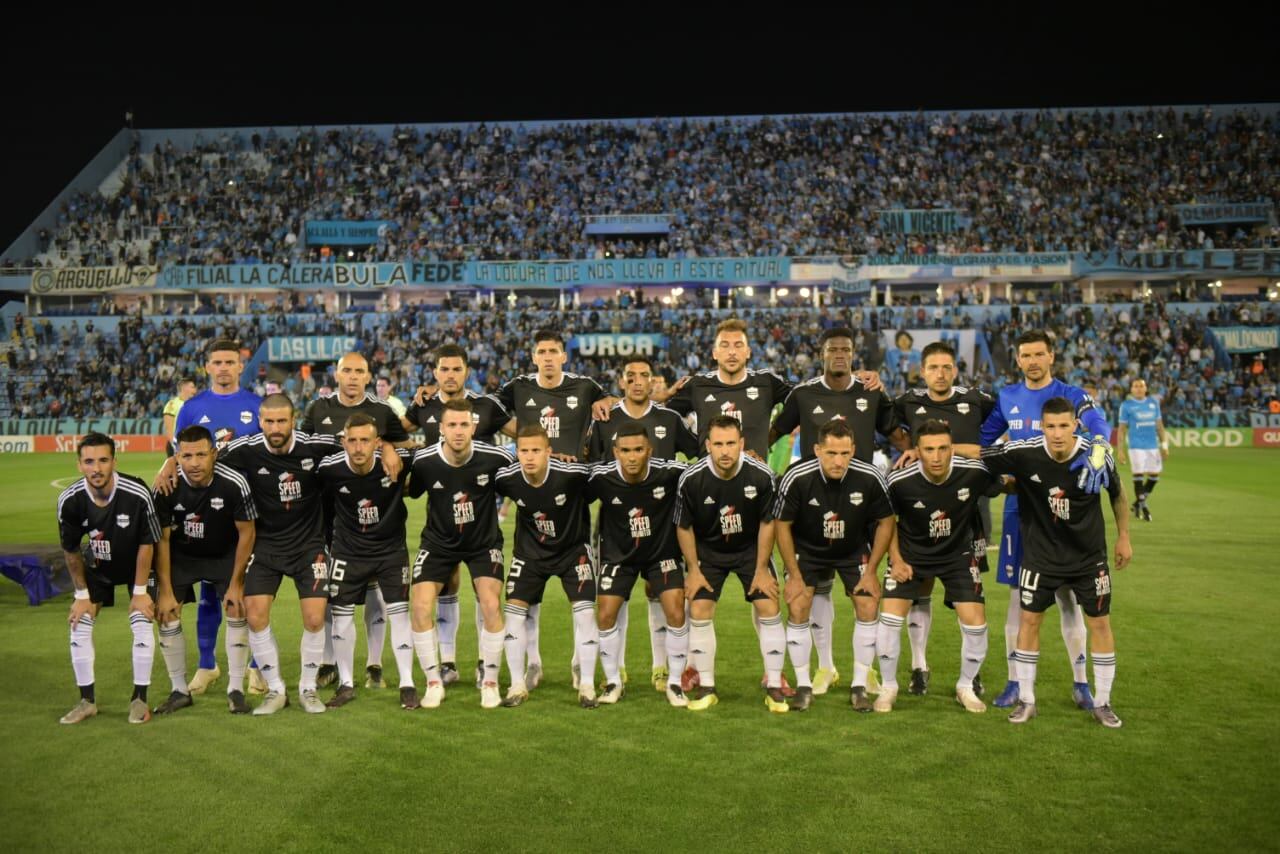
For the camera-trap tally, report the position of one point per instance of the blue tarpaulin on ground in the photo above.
(32, 573)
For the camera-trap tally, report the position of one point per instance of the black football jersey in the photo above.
(936, 522)
(327, 415)
(487, 414)
(750, 401)
(286, 490)
(115, 531)
(368, 509)
(636, 520)
(563, 411)
(830, 519)
(1062, 526)
(552, 520)
(204, 518)
(462, 516)
(813, 403)
(667, 433)
(725, 515)
(964, 410)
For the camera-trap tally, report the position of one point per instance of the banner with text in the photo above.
(1217, 263)
(1246, 339)
(628, 271)
(629, 224)
(79, 426)
(921, 221)
(314, 348)
(345, 232)
(1231, 212)
(618, 344)
(91, 280)
(314, 276)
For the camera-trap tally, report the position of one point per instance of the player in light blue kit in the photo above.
(228, 412)
(1017, 413)
(1141, 430)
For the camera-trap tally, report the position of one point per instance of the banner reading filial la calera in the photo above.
(91, 280)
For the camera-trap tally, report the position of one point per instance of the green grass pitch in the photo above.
(1195, 766)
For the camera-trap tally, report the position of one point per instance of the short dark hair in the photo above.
(361, 419)
(195, 433)
(933, 427)
(635, 428)
(644, 360)
(548, 335)
(836, 428)
(899, 334)
(935, 349)
(448, 351)
(529, 430)
(834, 332)
(1033, 336)
(96, 440)
(1057, 406)
(459, 404)
(277, 400)
(184, 380)
(222, 344)
(723, 421)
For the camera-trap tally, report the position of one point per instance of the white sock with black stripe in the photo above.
(1074, 635)
(973, 651)
(424, 644)
(624, 620)
(144, 648)
(517, 621)
(586, 637)
(889, 648)
(864, 650)
(311, 650)
(174, 649)
(402, 641)
(1012, 620)
(658, 634)
(1104, 674)
(375, 626)
(800, 649)
(447, 615)
(83, 655)
(919, 621)
(702, 651)
(773, 645)
(1026, 662)
(822, 618)
(344, 642)
(677, 643)
(237, 643)
(531, 635)
(610, 642)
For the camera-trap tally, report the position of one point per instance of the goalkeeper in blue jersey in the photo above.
(1141, 431)
(1017, 413)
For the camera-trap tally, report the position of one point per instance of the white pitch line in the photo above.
(62, 482)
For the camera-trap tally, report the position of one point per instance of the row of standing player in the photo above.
(851, 397)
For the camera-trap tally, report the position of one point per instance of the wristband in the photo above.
(139, 590)
(81, 593)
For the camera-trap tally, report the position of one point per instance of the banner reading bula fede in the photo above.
(91, 280)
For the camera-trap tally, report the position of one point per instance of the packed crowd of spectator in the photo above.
(75, 370)
(805, 185)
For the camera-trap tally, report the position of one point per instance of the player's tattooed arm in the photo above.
(166, 480)
(1120, 509)
(80, 605)
(600, 409)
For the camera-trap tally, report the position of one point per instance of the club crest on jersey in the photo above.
(640, 525)
(561, 499)
(832, 526)
(962, 408)
(482, 479)
(307, 465)
(571, 401)
(215, 503)
(659, 492)
(385, 482)
(550, 422)
(1059, 504)
(753, 393)
(660, 432)
(246, 416)
(861, 404)
(749, 491)
(855, 498)
(122, 520)
(963, 494)
(939, 525)
(464, 509)
(730, 521)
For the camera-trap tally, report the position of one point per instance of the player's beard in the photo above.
(277, 440)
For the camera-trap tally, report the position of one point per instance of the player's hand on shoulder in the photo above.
(166, 480)
(870, 379)
(391, 462)
(906, 458)
(600, 409)
(423, 394)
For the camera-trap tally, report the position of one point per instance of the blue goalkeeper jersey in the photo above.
(1140, 417)
(227, 416)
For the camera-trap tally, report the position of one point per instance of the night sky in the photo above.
(61, 112)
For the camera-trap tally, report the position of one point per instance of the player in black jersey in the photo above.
(936, 500)
(115, 511)
(207, 535)
(281, 465)
(459, 476)
(858, 398)
(1064, 545)
(724, 519)
(368, 545)
(553, 528)
(824, 508)
(638, 540)
(964, 409)
(450, 375)
(325, 416)
(668, 436)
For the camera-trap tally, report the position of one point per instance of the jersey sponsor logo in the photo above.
(99, 545)
(1102, 584)
(204, 419)
(1017, 424)
(660, 432)
(307, 465)
(640, 524)
(530, 402)
(861, 404)
(616, 500)
(122, 520)
(1035, 478)
(749, 491)
(659, 492)
(246, 416)
(1015, 411)
(366, 513)
(727, 408)
(215, 503)
(667, 565)
(495, 557)
(963, 494)
(464, 509)
(482, 480)
(711, 398)
(832, 526)
(922, 411)
(326, 420)
(855, 498)
(708, 500)
(571, 402)
(222, 436)
(585, 571)
(263, 470)
(431, 420)
(437, 485)
(544, 526)
(291, 489)
(815, 502)
(730, 522)
(919, 505)
(192, 527)
(939, 525)
(818, 410)
(753, 393)
(550, 422)
(1059, 504)
(962, 408)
